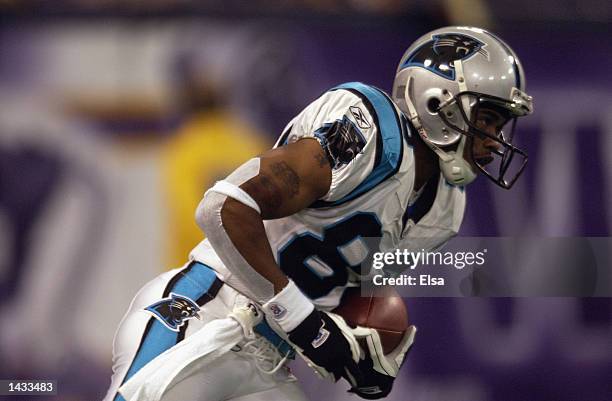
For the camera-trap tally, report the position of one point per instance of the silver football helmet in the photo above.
(442, 80)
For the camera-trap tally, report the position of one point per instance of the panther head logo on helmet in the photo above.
(443, 80)
(438, 54)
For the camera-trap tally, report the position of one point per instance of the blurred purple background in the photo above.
(109, 112)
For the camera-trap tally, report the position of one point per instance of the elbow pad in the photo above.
(235, 192)
(230, 187)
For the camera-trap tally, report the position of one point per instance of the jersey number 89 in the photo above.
(317, 264)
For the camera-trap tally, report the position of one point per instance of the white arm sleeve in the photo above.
(243, 276)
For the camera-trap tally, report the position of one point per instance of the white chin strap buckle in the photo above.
(454, 167)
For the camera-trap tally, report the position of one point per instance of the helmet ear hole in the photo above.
(433, 104)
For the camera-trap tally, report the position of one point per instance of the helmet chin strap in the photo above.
(454, 167)
(456, 170)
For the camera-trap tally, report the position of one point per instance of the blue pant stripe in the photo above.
(194, 283)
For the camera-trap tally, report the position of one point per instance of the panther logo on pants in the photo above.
(174, 310)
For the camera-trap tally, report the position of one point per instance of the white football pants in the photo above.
(159, 318)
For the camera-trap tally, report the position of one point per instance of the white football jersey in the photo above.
(368, 143)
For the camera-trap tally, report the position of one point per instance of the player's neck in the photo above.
(426, 163)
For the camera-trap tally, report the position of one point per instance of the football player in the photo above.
(285, 229)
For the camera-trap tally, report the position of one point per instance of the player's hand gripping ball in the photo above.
(379, 320)
(380, 308)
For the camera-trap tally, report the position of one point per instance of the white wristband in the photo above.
(289, 307)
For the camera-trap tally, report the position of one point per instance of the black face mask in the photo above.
(508, 161)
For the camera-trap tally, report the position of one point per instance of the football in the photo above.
(381, 308)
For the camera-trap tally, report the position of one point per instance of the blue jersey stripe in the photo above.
(389, 129)
(194, 283)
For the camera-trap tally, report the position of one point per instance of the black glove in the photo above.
(323, 339)
(327, 343)
(371, 385)
(378, 370)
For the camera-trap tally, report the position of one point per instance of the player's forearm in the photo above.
(237, 234)
(244, 227)
(279, 183)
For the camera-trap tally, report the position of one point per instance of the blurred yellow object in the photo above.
(206, 148)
